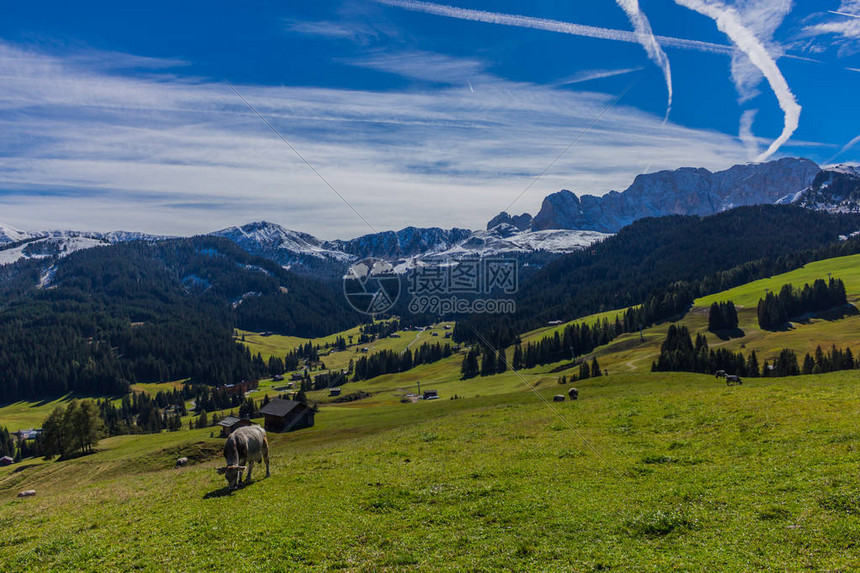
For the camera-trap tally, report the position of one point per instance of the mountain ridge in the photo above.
(683, 191)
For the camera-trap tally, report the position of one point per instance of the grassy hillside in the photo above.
(628, 353)
(645, 472)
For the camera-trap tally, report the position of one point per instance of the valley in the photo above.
(419, 463)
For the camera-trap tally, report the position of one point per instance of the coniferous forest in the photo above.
(149, 312)
(774, 310)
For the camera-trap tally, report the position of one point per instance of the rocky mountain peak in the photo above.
(684, 191)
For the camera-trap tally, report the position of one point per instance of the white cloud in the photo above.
(649, 42)
(94, 149)
(731, 23)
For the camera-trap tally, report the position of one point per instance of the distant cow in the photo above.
(558, 398)
(732, 379)
(27, 493)
(573, 393)
(720, 374)
(244, 446)
(181, 462)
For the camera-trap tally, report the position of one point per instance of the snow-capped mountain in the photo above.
(835, 189)
(685, 191)
(405, 248)
(504, 239)
(16, 245)
(11, 234)
(408, 242)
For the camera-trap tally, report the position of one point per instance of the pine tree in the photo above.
(501, 362)
(488, 362)
(808, 364)
(469, 368)
(518, 357)
(752, 365)
(584, 371)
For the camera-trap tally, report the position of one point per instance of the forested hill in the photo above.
(102, 318)
(652, 253)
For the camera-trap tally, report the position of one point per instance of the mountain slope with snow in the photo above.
(16, 245)
(12, 235)
(835, 189)
(405, 248)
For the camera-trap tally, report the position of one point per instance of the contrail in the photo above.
(729, 22)
(844, 14)
(845, 148)
(551, 25)
(649, 42)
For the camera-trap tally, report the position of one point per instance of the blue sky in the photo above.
(117, 114)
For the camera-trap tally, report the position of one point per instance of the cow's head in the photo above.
(233, 475)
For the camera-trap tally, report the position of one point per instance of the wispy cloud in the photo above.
(745, 133)
(649, 42)
(837, 28)
(551, 25)
(89, 148)
(730, 23)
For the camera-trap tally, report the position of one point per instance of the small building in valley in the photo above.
(230, 423)
(282, 415)
(431, 395)
(6, 461)
(239, 389)
(334, 392)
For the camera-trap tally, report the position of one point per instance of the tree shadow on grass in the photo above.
(21, 468)
(728, 334)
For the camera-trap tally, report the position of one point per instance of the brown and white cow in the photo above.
(244, 447)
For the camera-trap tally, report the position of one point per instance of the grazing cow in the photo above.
(558, 398)
(181, 462)
(27, 493)
(573, 393)
(244, 446)
(720, 374)
(732, 379)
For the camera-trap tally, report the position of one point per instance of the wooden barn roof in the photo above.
(281, 407)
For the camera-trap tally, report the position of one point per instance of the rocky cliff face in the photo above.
(685, 191)
(520, 222)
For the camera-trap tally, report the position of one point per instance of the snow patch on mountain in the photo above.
(836, 189)
(10, 234)
(47, 247)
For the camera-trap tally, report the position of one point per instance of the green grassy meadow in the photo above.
(645, 472)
